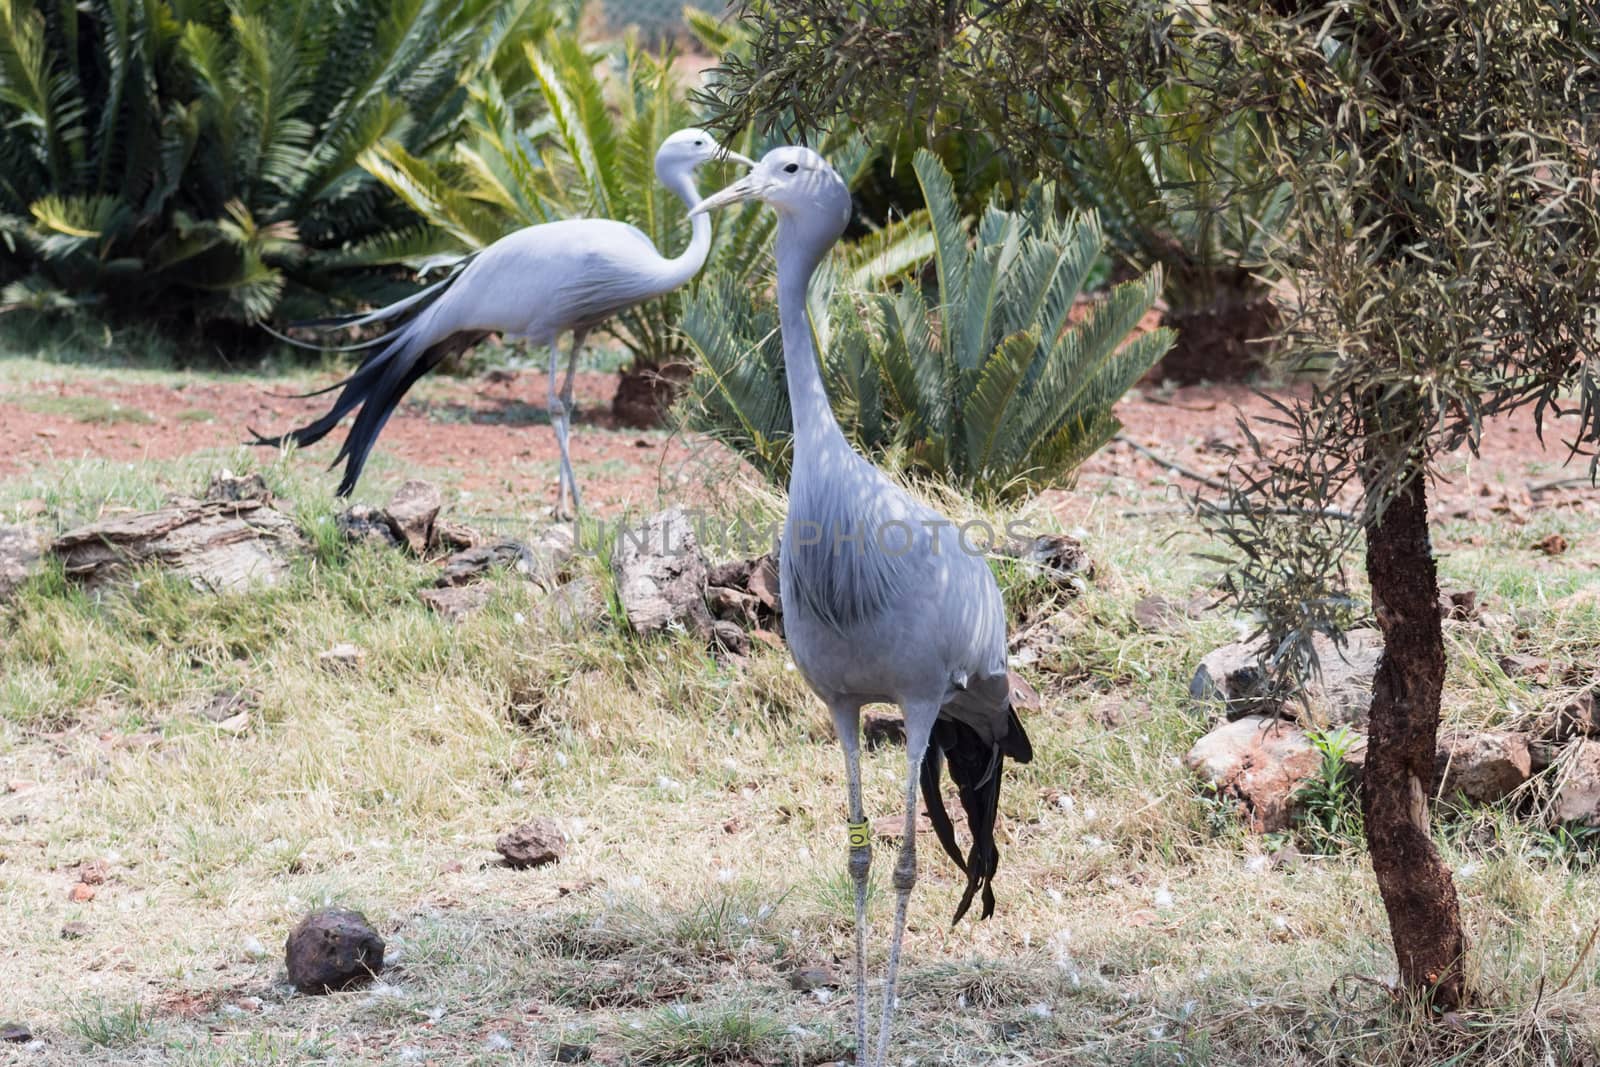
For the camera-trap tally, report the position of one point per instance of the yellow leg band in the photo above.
(860, 834)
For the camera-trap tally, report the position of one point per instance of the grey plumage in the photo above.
(882, 601)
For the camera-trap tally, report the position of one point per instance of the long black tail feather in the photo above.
(976, 768)
(376, 388)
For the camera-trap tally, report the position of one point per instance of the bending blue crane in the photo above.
(881, 602)
(537, 284)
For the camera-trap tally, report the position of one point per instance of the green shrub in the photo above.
(193, 160)
(981, 381)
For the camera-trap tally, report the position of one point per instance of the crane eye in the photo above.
(697, 144)
(791, 168)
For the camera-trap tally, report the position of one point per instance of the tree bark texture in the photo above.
(1418, 891)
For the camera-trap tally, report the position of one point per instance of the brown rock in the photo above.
(730, 636)
(226, 704)
(1259, 762)
(15, 1033)
(1554, 545)
(1518, 665)
(1059, 558)
(333, 949)
(449, 536)
(21, 556)
(475, 564)
(661, 576)
(880, 729)
(92, 873)
(763, 583)
(341, 657)
(1458, 604)
(1577, 797)
(81, 893)
(1024, 697)
(1482, 767)
(456, 602)
(532, 844)
(805, 979)
(1578, 718)
(225, 486)
(363, 525)
(1340, 694)
(1157, 613)
(411, 512)
(75, 931)
(220, 546)
(20, 785)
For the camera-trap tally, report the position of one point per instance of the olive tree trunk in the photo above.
(1418, 892)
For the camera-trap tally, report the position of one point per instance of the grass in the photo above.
(1139, 924)
(94, 410)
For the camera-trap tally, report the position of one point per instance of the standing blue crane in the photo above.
(883, 603)
(537, 284)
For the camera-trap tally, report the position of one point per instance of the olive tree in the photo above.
(1443, 254)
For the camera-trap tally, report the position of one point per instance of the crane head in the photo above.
(687, 150)
(797, 182)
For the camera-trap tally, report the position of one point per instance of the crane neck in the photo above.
(684, 266)
(815, 428)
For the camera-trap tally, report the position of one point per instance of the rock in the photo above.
(81, 893)
(475, 564)
(1577, 797)
(75, 931)
(15, 1033)
(730, 637)
(227, 703)
(253, 949)
(1157, 613)
(731, 605)
(532, 844)
(1518, 665)
(333, 949)
(221, 546)
(1339, 694)
(411, 512)
(1458, 604)
(20, 785)
(661, 576)
(363, 525)
(22, 551)
(1482, 767)
(1259, 762)
(763, 583)
(341, 657)
(577, 604)
(1024, 697)
(571, 1052)
(449, 536)
(225, 486)
(93, 873)
(456, 602)
(805, 979)
(880, 729)
(1554, 545)
(1579, 718)
(1059, 558)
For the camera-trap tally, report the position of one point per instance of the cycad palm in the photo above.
(982, 382)
(199, 158)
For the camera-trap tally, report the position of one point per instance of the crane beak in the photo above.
(729, 155)
(746, 188)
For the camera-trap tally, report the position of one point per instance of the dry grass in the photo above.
(1139, 925)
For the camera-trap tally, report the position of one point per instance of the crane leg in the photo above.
(919, 728)
(560, 421)
(847, 724)
(567, 407)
